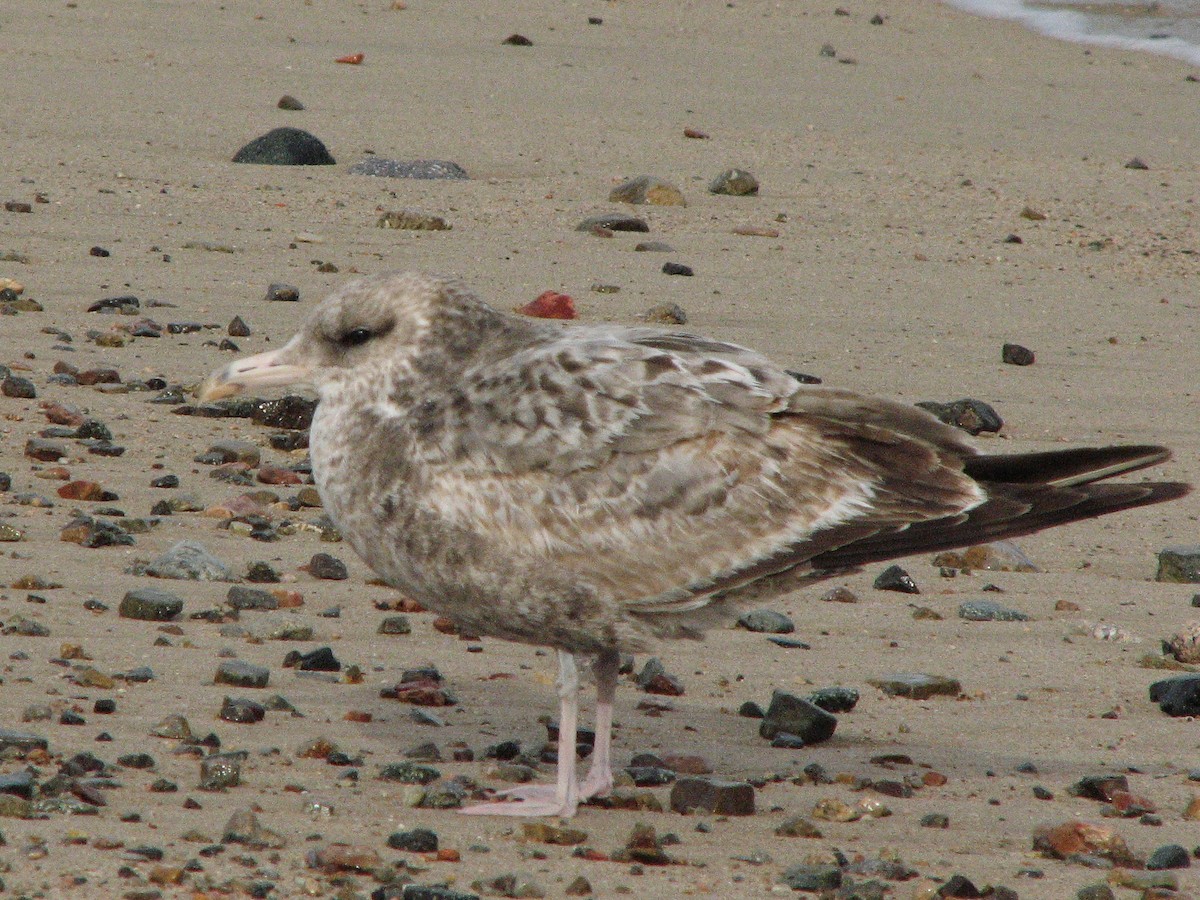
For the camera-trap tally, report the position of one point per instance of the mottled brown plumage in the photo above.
(594, 488)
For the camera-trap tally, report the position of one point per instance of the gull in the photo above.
(597, 488)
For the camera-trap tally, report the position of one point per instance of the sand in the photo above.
(893, 173)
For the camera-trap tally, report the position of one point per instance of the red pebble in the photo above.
(278, 475)
(352, 60)
(550, 305)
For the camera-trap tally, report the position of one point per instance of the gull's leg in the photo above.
(544, 800)
(599, 780)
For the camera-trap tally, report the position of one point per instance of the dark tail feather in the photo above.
(1012, 510)
(1065, 468)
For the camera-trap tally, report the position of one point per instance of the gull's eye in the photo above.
(356, 336)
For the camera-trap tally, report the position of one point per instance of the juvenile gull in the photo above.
(595, 488)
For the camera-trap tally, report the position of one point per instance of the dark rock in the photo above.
(1179, 696)
(894, 578)
(796, 716)
(613, 222)
(327, 567)
(712, 795)
(165, 481)
(238, 673)
(409, 773)
(18, 388)
(136, 761)
(789, 643)
(262, 573)
(434, 892)
(1179, 564)
(150, 604)
(1137, 163)
(517, 40)
(1016, 355)
(653, 247)
(222, 770)
(734, 183)
(973, 416)
(285, 147)
(751, 710)
(292, 412)
(960, 886)
(124, 304)
(654, 679)
(89, 532)
(673, 268)
(319, 660)
(766, 621)
(237, 327)
(290, 103)
(834, 699)
(378, 167)
(395, 625)
(935, 820)
(989, 611)
(283, 293)
(46, 451)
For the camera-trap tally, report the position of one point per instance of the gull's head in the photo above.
(366, 321)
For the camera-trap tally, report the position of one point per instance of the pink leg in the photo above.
(599, 780)
(563, 798)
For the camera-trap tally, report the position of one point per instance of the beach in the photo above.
(932, 186)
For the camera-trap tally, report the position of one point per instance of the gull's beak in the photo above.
(261, 370)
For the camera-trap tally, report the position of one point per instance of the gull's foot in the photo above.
(530, 800)
(596, 785)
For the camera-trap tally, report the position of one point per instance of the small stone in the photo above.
(654, 679)
(378, 167)
(1179, 564)
(712, 795)
(894, 578)
(839, 595)
(517, 40)
(17, 387)
(1095, 892)
(189, 560)
(285, 147)
(766, 621)
(327, 567)
(734, 183)
(647, 189)
(262, 573)
(335, 858)
(88, 491)
(150, 604)
(408, 772)
(1016, 355)
(1179, 696)
(1137, 163)
(935, 820)
(174, 727)
(245, 598)
(238, 673)
(914, 686)
(798, 826)
(395, 625)
(835, 699)
(50, 451)
(89, 532)
(290, 103)
(973, 416)
(653, 247)
(796, 716)
(237, 327)
(558, 835)
(229, 451)
(613, 222)
(1080, 838)
(998, 556)
(813, 878)
(674, 268)
(412, 220)
(989, 611)
(21, 741)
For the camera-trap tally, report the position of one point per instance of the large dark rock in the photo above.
(285, 147)
(797, 716)
(1179, 696)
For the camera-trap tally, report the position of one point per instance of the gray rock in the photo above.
(285, 147)
(241, 710)
(813, 879)
(409, 773)
(219, 771)
(796, 716)
(150, 604)
(395, 625)
(327, 567)
(418, 840)
(734, 183)
(24, 741)
(1170, 856)
(1179, 696)
(378, 167)
(1179, 564)
(239, 673)
(647, 189)
(242, 598)
(766, 621)
(189, 560)
(713, 795)
(989, 611)
(916, 686)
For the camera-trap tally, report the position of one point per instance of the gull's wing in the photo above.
(655, 466)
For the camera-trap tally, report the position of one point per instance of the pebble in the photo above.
(18, 388)
(674, 268)
(237, 327)
(417, 840)
(916, 686)
(319, 660)
(734, 183)
(973, 416)
(989, 611)
(613, 222)
(835, 699)
(653, 247)
(150, 604)
(798, 717)
(766, 621)
(327, 567)
(1016, 355)
(998, 556)
(1095, 892)
(1074, 839)
(88, 491)
(813, 878)
(285, 147)
(21, 741)
(1179, 696)
(654, 679)
(245, 598)
(10, 534)
(189, 560)
(46, 451)
(378, 167)
(1179, 564)
(413, 220)
(894, 578)
(244, 828)
(935, 820)
(174, 727)
(712, 795)
(238, 673)
(290, 103)
(1184, 644)
(395, 625)
(1169, 856)
(262, 573)
(292, 412)
(647, 189)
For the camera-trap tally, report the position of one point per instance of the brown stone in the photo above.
(1061, 841)
(278, 475)
(99, 376)
(85, 490)
(713, 795)
(347, 857)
